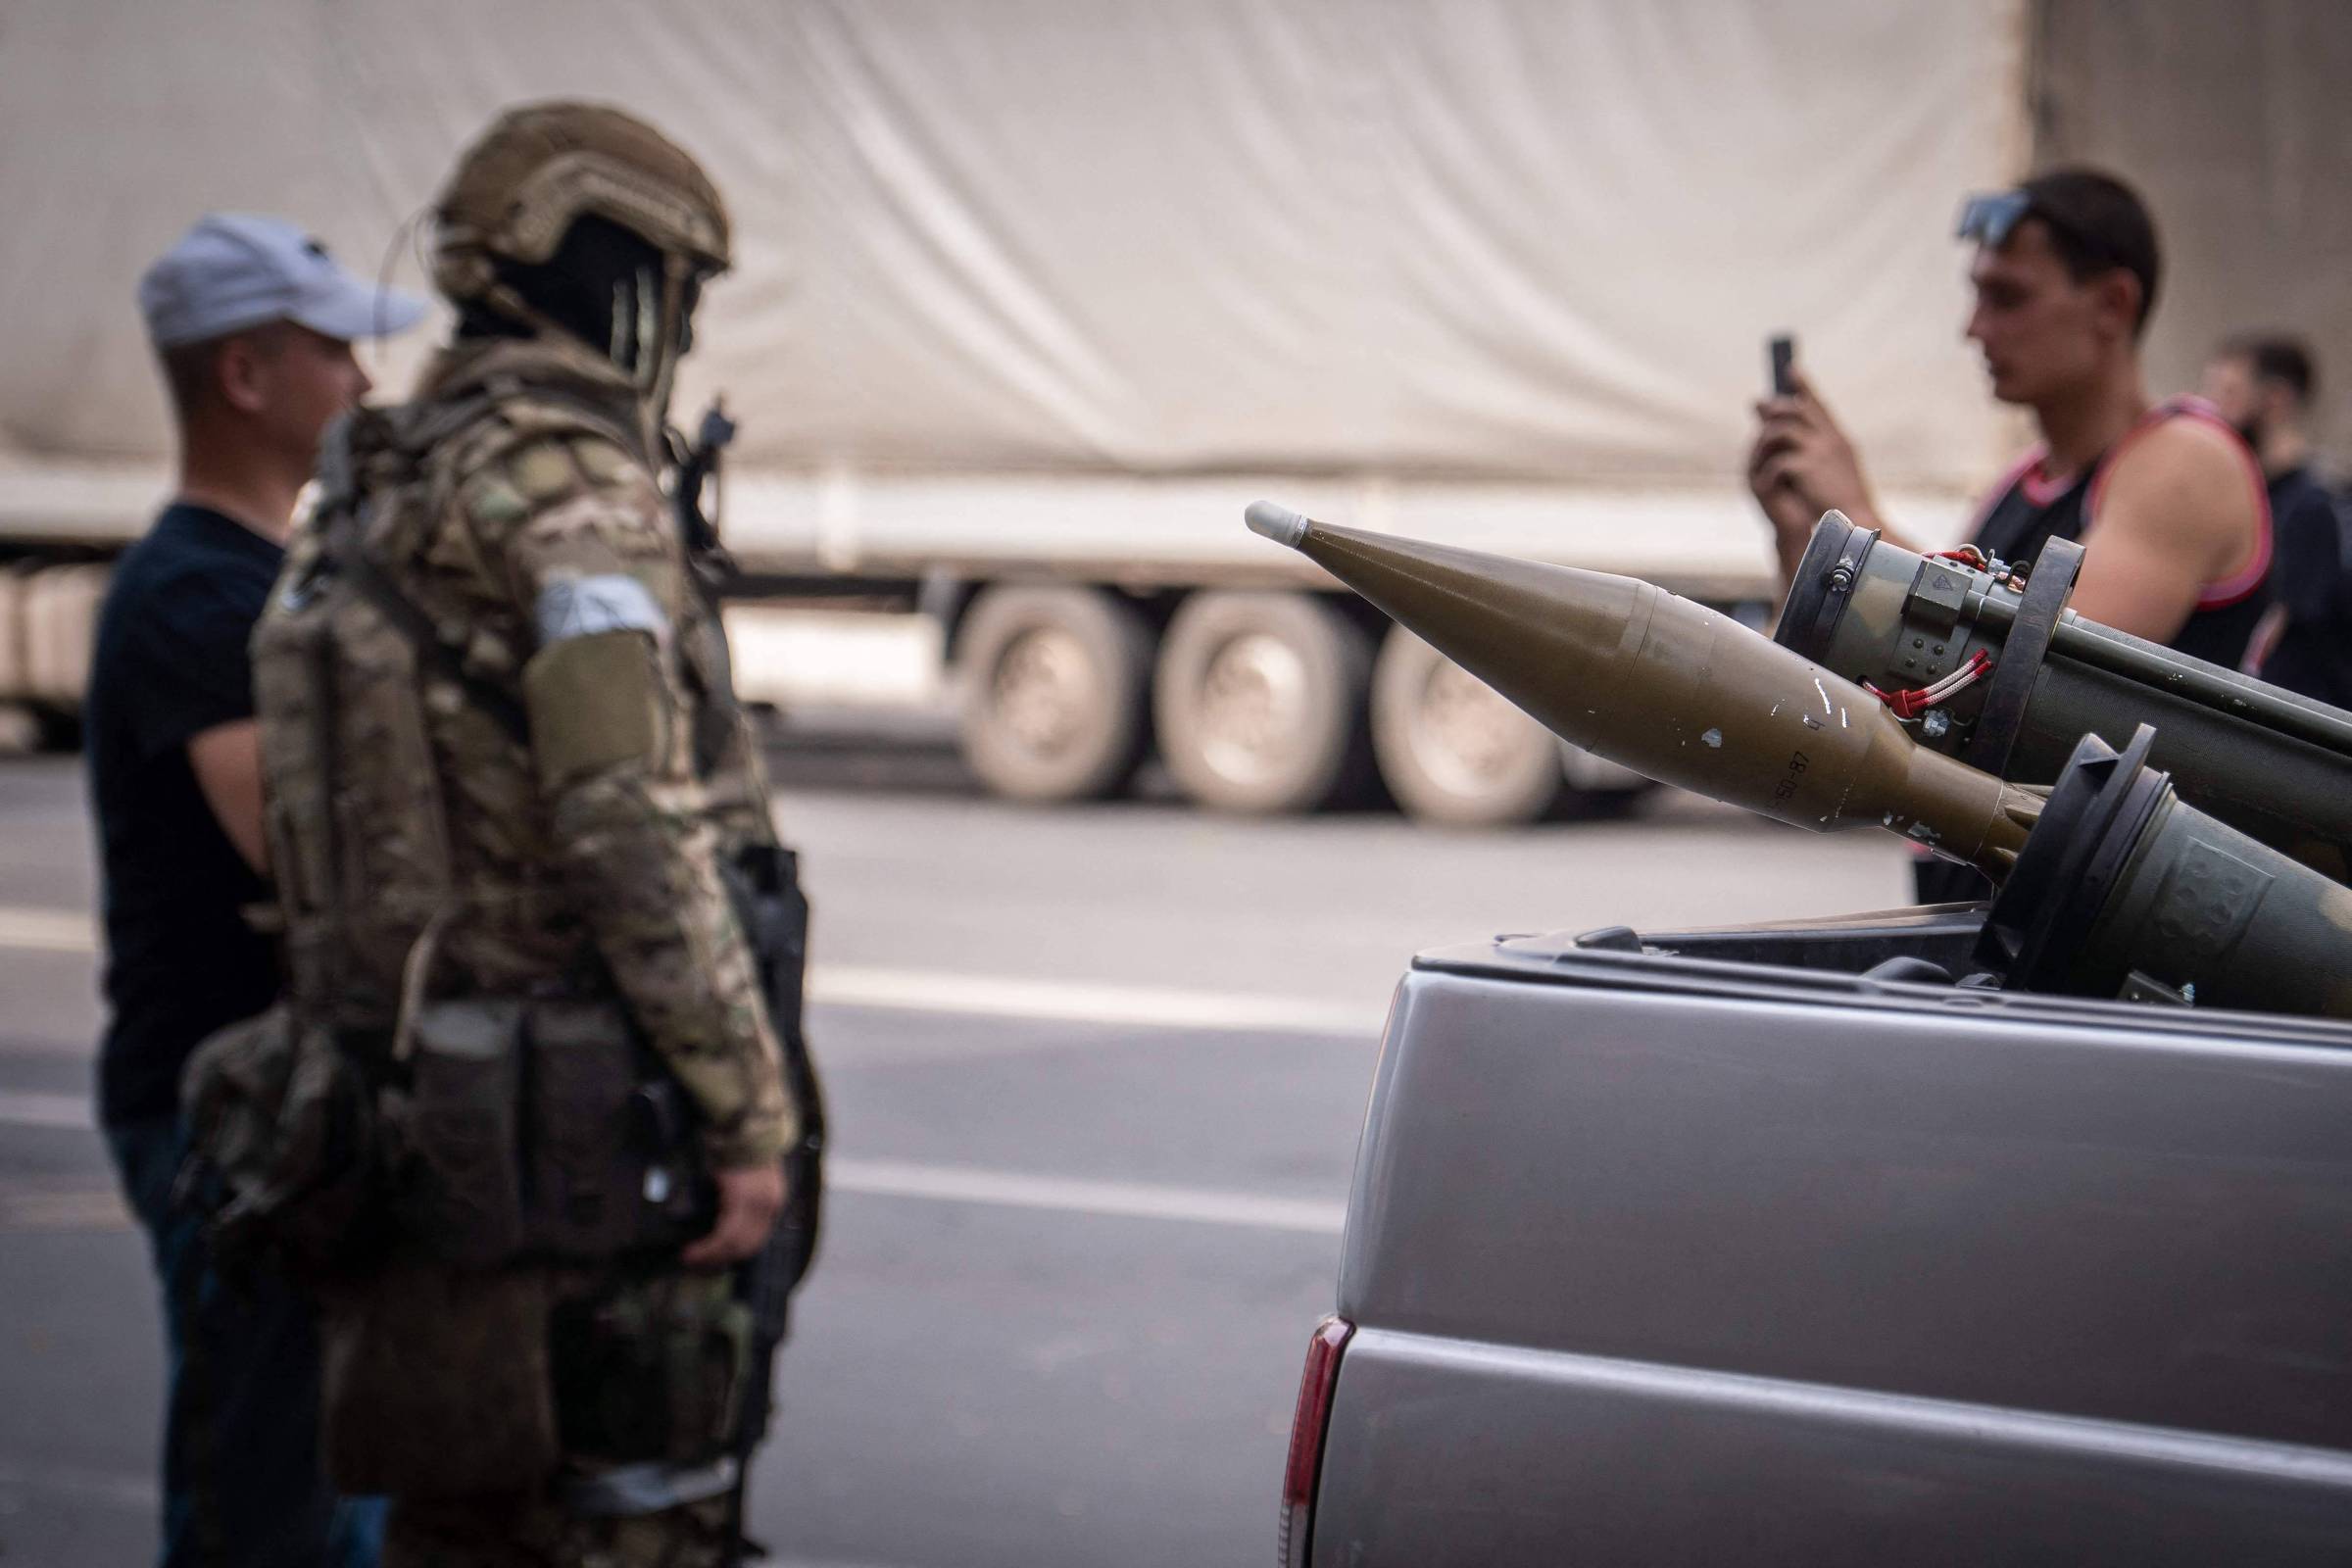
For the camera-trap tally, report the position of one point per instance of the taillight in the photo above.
(1305, 1466)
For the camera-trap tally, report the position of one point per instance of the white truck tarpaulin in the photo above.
(1525, 240)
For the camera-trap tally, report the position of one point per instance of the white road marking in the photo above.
(101, 1209)
(47, 930)
(88, 1208)
(955, 1184)
(26, 1109)
(37, 930)
(137, 1494)
(1078, 1002)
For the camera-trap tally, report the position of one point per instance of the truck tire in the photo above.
(1450, 749)
(60, 626)
(1600, 789)
(12, 634)
(1261, 702)
(1052, 687)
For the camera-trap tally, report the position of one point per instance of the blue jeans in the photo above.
(242, 1482)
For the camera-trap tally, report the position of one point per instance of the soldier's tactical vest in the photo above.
(366, 693)
(529, 1118)
(373, 697)
(508, 1115)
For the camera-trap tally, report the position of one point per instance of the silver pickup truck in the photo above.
(1753, 1245)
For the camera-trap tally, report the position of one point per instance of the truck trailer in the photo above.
(1030, 298)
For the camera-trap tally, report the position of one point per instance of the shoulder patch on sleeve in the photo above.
(594, 703)
(582, 607)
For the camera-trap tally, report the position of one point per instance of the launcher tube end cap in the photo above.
(1277, 523)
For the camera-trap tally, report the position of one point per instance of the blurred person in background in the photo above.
(2165, 498)
(2263, 384)
(254, 326)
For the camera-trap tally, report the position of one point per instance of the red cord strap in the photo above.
(1918, 698)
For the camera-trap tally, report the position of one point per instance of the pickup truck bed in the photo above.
(1705, 1248)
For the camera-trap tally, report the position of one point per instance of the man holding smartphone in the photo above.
(2164, 497)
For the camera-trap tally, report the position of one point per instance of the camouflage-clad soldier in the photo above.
(509, 792)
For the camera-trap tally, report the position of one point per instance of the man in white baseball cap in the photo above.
(237, 271)
(254, 323)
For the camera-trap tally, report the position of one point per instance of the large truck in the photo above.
(1029, 301)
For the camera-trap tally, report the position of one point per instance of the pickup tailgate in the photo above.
(1740, 1271)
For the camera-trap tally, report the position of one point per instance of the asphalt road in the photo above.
(1096, 1080)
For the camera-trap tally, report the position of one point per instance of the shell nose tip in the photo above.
(1276, 521)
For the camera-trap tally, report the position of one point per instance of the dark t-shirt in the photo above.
(2313, 654)
(169, 663)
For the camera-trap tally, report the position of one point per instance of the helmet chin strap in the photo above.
(655, 376)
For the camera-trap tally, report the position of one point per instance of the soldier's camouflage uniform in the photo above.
(483, 866)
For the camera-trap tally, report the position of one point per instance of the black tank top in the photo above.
(2028, 512)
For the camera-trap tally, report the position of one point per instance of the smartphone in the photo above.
(1782, 350)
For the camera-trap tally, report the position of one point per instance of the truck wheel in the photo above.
(1598, 788)
(1450, 749)
(57, 609)
(1261, 700)
(1052, 686)
(21, 730)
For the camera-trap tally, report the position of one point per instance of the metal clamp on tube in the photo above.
(2023, 651)
(1833, 562)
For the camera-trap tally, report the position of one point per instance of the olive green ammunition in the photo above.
(2112, 885)
(1675, 691)
(2024, 678)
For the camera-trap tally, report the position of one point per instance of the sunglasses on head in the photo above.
(1989, 220)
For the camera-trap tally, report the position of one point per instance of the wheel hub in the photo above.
(1254, 699)
(1469, 735)
(1043, 688)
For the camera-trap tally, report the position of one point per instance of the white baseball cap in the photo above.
(235, 271)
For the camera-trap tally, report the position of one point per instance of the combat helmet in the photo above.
(518, 191)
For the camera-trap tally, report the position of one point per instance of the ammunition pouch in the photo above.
(652, 1372)
(544, 1131)
(286, 1165)
(436, 1380)
(460, 1123)
(443, 1381)
(541, 1146)
(614, 1165)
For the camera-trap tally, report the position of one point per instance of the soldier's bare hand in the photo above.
(749, 1197)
